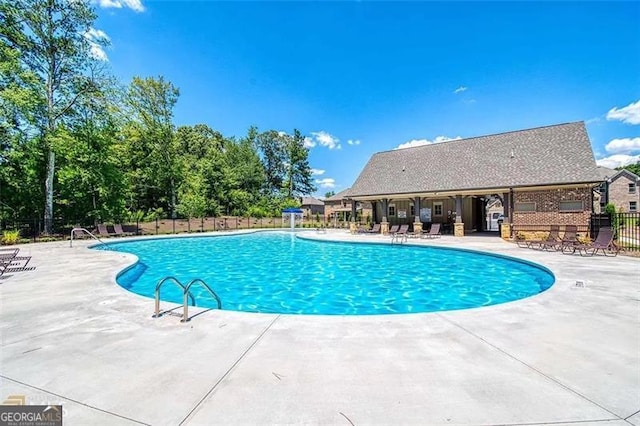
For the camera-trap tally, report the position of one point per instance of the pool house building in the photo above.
(542, 176)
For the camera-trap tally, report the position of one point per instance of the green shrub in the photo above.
(10, 237)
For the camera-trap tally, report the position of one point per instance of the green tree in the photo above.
(271, 146)
(329, 194)
(633, 168)
(154, 173)
(243, 176)
(21, 165)
(90, 175)
(50, 38)
(298, 179)
(193, 202)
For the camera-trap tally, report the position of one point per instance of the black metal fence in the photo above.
(33, 229)
(626, 228)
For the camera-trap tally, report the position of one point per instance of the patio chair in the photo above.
(570, 238)
(11, 255)
(375, 229)
(119, 231)
(434, 232)
(603, 242)
(8, 267)
(553, 237)
(102, 230)
(393, 229)
(400, 234)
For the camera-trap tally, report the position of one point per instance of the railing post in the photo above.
(185, 313)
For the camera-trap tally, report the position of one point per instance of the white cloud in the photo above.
(460, 89)
(95, 37)
(323, 138)
(119, 4)
(624, 145)
(618, 160)
(353, 142)
(629, 114)
(326, 183)
(308, 142)
(420, 142)
(317, 172)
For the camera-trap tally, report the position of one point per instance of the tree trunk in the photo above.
(173, 198)
(51, 155)
(48, 189)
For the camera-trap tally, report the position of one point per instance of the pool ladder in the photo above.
(186, 294)
(86, 231)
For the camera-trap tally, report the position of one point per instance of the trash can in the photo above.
(500, 226)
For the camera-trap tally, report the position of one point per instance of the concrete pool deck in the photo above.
(72, 336)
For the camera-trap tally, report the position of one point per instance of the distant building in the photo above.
(311, 206)
(620, 188)
(339, 207)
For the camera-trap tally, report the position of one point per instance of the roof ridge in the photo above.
(484, 136)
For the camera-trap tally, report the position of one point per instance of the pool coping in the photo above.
(70, 334)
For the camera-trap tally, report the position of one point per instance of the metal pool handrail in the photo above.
(185, 315)
(85, 231)
(185, 293)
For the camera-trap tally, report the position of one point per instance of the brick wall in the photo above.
(619, 193)
(548, 204)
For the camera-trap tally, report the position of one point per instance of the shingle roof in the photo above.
(605, 173)
(625, 172)
(310, 201)
(339, 196)
(558, 154)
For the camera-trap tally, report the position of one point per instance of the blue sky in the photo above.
(362, 77)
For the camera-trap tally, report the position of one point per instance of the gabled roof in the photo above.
(605, 172)
(624, 172)
(338, 197)
(310, 201)
(559, 154)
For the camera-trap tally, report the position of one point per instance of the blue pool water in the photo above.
(277, 272)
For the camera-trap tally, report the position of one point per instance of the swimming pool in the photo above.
(277, 272)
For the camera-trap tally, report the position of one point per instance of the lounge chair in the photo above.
(102, 230)
(117, 228)
(552, 238)
(603, 242)
(393, 229)
(434, 232)
(11, 255)
(570, 238)
(8, 267)
(400, 234)
(375, 229)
